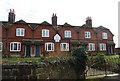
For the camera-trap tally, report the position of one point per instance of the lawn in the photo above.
(20, 59)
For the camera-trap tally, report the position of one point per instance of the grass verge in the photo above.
(20, 59)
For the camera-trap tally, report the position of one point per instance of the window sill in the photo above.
(14, 51)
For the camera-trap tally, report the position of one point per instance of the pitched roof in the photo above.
(20, 22)
(102, 28)
(45, 23)
(66, 24)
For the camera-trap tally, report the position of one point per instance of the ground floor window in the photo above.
(102, 47)
(91, 47)
(64, 47)
(49, 46)
(15, 46)
(0, 46)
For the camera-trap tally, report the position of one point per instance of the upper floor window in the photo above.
(45, 33)
(0, 46)
(91, 47)
(104, 36)
(15, 46)
(20, 32)
(87, 35)
(102, 47)
(49, 46)
(67, 34)
(64, 46)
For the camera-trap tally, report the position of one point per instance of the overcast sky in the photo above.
(74, 12)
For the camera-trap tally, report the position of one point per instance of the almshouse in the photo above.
(43, 39)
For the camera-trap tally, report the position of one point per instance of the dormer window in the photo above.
(67, 34)
(20, 32)
(45, 33)
(104, 36)
(87, 35)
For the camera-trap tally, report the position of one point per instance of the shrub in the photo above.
(79, 64)
(100, 57)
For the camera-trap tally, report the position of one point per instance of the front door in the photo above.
(111, 50)
(28, 49)
(37, 51)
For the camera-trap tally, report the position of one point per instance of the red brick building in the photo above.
(42, 39)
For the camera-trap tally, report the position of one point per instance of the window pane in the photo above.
(64, 46)
(49, 46)
(15, 46)
(19, 46)
(11, 46)
(87, 35)
(22, 32)
(0, 46)
(67, 33)
(45, 33)
(18, 32)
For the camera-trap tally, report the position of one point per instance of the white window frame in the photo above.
(67, 33)
(102, 47)
(1, 45)
(104, 36)
(91, 47)
(18, 46)
(87, 34)
(66, 47)
(52, 46)
(45, 33)
(20, 32)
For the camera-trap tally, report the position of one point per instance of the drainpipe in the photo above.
(97, 43)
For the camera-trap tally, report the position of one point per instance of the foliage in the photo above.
(100, 57)
(79, 52)
(103, 62)
(79, 64)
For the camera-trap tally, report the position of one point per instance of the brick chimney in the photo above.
(54, 20)
(88, 22)
(11, 16)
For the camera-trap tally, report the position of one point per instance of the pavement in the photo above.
(113, 76)
(109, 77)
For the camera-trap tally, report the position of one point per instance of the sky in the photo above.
(74, 12)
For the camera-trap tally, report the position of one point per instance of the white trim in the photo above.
(102, 46)
(91, 47)
(87, 34)
(31, 51)
(67, 34)
(104, 36)
(66, 47)
(45, 33)
(12, 49)
(1, 46)
(25, 51)
(21, 32)
(52, 46)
